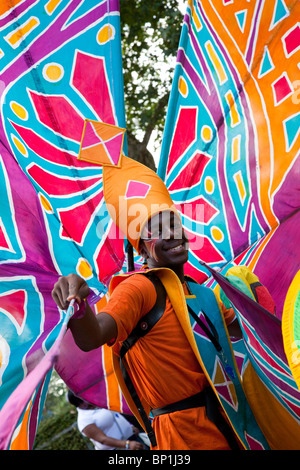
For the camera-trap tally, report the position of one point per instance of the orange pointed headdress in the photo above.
(133, 193)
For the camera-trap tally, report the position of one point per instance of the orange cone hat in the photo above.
(133, 193)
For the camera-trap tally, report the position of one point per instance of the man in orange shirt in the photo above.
(163, 365)
(177, 367)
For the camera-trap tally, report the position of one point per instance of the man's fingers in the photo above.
(57, 300)
(84, 291)
(60, 292)
(78, 288)
(68, 288)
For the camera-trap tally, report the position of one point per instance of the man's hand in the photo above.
(68, 288)
(89, 331)
(134, 445)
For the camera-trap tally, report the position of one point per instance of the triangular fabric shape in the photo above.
(13, 306)
(266, 64)
(4, 241)
(241, 19)
(291, 130)
(280, 12)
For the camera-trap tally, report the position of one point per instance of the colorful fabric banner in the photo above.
(268, 381)
(230, 159)
(61, 71)
(232, 171)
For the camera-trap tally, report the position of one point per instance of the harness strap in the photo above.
(211, 333)
(191, 402)
(143, 327)
(138, 404)
(150, 319)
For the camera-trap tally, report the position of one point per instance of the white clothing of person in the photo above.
(111, 423)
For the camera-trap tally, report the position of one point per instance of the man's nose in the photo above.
(167, 232)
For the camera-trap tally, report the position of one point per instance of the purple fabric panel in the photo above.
(280, 260)
(268, 344)
(34, 240)
(86, 376)
(29, 216)
(287, 199)
(267, 325)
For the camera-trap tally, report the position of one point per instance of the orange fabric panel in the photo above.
(20, 441)
(114, 397)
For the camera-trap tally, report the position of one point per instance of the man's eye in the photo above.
(154, 234)
(148, 235)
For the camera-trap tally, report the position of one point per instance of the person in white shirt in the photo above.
(107, 430)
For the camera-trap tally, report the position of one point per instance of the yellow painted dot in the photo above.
(182, 86)
(84, 268)
(46, 204)
(20, 146)
(209, 185)
(217, 234)
(53, 72)
(106, 33)
(206, 133)
(19, 110)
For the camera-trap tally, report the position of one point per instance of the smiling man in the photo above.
(146, 322)
(163, 366)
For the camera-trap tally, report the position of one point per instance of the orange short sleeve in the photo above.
(129, 302)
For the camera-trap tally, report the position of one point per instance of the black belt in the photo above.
(190, 402)
(208, 399)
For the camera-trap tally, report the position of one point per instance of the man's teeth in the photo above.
(176, 248)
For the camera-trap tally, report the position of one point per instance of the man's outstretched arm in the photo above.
(89, 331)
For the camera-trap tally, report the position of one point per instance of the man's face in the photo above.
(164, 242)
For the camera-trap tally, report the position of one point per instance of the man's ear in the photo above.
(143, 250)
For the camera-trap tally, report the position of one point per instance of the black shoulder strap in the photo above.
(210, 331)
(150, 319)
(143, 327)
